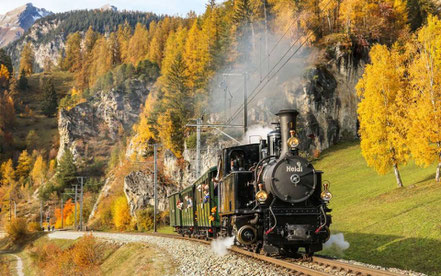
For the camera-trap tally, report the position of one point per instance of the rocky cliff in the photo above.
(139, 191)
(90, 128)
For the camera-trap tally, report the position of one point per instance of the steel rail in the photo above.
(301, 270)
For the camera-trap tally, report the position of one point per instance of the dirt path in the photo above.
(19, 265)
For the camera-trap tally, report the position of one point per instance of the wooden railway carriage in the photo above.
(193, 211)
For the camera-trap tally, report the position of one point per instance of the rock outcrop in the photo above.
(139, 191)
(91, 127)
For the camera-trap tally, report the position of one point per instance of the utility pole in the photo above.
(266, 33)
(245, 98)
(41, 214)
(154, 186)
(245, 107)
(15, 209)
(75, 214)
(62, 210)
(81, 202)
(198, 147)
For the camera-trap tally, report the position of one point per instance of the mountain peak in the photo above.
(15, 22)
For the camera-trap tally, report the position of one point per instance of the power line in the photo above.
(257, 90)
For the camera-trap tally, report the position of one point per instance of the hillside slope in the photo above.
(384, 225)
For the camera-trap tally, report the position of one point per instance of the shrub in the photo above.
(144, 219)
(86, 254)
(34, 226)
(17, 229)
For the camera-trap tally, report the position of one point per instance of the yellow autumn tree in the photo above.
(425, 74)
(382, 111)
(27, 60)
(38, 172)
(138, 45)
(4, 76)
(374, 20)
(120, 213)
(24, 165)
(8, 173)
(146, 128)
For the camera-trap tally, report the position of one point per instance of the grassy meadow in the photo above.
(385, 225)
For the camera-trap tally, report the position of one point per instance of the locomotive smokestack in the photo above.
(287, 123)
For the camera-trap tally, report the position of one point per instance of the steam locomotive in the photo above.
(265, 195)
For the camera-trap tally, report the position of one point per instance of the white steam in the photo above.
(220, 246)
(255, 134)
(337, 240)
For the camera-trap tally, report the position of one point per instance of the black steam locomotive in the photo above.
(266, 195)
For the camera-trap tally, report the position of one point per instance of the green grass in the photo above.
(385, 225)
(137, 259)
(164, 230)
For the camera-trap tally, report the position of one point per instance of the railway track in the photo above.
(318, 266)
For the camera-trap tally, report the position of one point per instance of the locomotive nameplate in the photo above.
(297, 168)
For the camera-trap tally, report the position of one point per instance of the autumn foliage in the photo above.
(82, 258)
(120, 213)
(399, 112)
(68, 214)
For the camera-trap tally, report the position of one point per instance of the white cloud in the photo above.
(173, 7)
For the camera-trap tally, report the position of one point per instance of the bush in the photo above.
(144, 219)
(17, 229)
(86, 254)
(83, 258)
(34, 226)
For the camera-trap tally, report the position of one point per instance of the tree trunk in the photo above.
(438, 176)
(398, 176)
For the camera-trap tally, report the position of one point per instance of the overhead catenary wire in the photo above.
(268, 77)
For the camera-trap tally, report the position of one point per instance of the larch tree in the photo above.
(4, 77)
(123, 34)
(425, 74)
(24, 165)
(26, 67)
(138, 45)
(38, 172)
(382, 111)
(72, 59)
(8, 173)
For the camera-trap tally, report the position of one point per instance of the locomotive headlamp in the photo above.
(293, 142)
(261, 196)
(326, 194)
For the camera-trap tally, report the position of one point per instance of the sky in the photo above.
(171, 7)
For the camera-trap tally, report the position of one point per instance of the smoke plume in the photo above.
(337, 240)
(220, 246)
(255, 134)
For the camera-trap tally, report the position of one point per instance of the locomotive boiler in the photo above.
(266, 195)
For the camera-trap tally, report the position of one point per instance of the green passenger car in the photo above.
(194, 210)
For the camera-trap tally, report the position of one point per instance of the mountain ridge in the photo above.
(16, 22)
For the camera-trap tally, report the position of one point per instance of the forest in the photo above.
(180, 55)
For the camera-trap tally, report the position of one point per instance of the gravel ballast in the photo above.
(192, 258)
